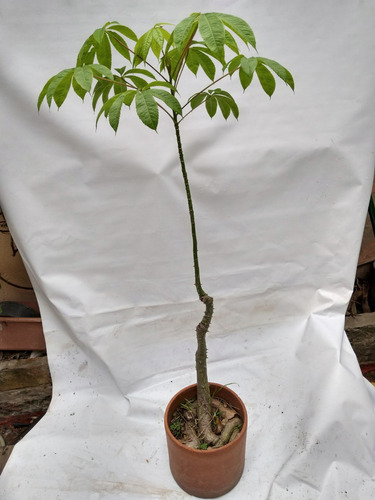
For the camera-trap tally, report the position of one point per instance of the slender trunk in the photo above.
(203, 390)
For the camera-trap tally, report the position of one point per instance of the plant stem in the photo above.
(203, 390)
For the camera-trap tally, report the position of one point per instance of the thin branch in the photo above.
(230, 73)
(14, 284)
(161, 107)
(144, 60)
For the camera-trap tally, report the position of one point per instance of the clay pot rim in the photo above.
(211, 451)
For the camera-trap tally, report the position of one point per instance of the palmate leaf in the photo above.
(147, 109)
(213, 33)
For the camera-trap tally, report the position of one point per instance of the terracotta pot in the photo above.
(206, 473)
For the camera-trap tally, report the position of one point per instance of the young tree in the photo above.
(157, 62)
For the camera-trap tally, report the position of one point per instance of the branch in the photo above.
(230, 73)
(15, 286)
(144, 60)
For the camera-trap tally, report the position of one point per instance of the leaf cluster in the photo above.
(155, 63)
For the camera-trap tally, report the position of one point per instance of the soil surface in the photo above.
(226, 424)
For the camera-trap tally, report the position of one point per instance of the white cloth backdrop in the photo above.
(101, 222)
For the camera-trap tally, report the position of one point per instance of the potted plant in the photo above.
(213, 419)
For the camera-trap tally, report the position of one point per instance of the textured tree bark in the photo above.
(204, 413)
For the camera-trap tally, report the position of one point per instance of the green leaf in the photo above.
(115, 112)
(54, 83)
(266, 79)
(249, 65)
(224, 106)
(157, 42)
(83, 76)
(137, 81)
(165, 33)
(129, 97)
(212, 31)
(78, 89)
(147, 109)
(196, 100)
(139, 71)
(119, 44)
(171, 61)
(223, 96)
(280, 71)
(106, 107)
(98, 35)
(234, 63)
(103, 52)
(168, 99)
(160, 84)
(124, 30)
(101, 70)
(85, 55)
(231, 102)
(119, 85)
(245, 79)
(231, 42)
(205, 62)
(239, 27)
(43, 93)
(102, 88)
(62, 89)
(192, 61)
(184, 30)
(142, 47)
(211, 105)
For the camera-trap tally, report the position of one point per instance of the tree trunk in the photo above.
(206, 435)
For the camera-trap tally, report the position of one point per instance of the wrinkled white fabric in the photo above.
(101, 222)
